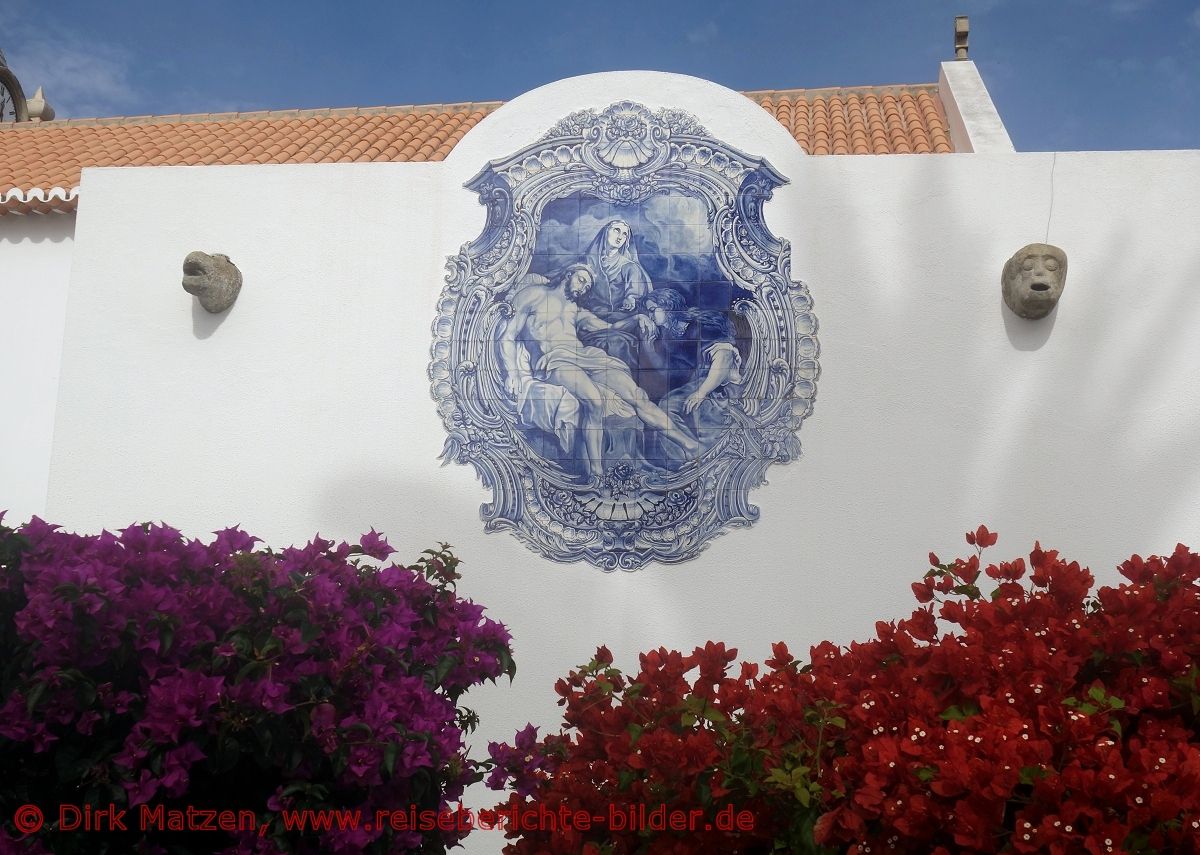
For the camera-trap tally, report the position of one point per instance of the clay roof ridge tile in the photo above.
(839, 120)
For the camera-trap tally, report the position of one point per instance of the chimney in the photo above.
(39, 108)
(961, 27)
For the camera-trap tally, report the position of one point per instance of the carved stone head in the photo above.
(214, 279)
(1033, 280)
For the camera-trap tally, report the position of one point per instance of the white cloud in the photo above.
(703, 34)
(1194, 18)
(78, 82)
(1128, 7)
(81, 77)
(981, 7)
(1126, 66)
(1176, 74)
(1169, 133)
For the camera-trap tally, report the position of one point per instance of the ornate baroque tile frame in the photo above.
(635, 511)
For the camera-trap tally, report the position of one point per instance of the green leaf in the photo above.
(67, 763)
(251, 669)
(1032, 774)
(1096, 693)
(740, 761)
(87, 694)
(229, 751)
(241, 644)
(445, 666)
(67, 591)
(166, 635)
(778, 776)
(35, 695)
(389, 758)
(300, 787)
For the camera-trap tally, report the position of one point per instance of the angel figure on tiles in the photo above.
(701, 406)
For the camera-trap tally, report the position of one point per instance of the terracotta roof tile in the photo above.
(870, 119)
(40, 163)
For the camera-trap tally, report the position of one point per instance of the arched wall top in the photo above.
(623, 417)
(727, 114)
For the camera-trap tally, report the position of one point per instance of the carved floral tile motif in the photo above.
(622, 353)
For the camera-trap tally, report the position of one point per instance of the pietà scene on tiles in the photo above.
(624, 351)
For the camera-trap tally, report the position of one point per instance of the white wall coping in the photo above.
(975, 126)
(14, 200)
(39, 194)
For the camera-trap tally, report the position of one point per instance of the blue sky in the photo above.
(1065, 74)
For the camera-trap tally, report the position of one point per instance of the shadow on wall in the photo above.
(1023, 334)
(1044, 447)
(1105, 415)
(204, 323)
(383, 497)
(1162, 373)
(37, 228)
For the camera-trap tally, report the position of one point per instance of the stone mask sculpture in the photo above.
(1033, 280)
(214, 279)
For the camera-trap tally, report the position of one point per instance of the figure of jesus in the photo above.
(546, 321)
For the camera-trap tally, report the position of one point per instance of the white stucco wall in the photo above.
(974, 124)
(307, 406)
(35, 264)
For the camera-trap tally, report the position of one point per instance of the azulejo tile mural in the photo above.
(622, 353)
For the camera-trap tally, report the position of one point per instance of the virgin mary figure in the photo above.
(620, 282)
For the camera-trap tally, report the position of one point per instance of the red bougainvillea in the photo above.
(1035, 717)
(671, 738)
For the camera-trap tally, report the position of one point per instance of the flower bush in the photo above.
(142, 668)
(677, 736)
(1036, 718)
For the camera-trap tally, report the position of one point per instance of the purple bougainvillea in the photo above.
(142, 668)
